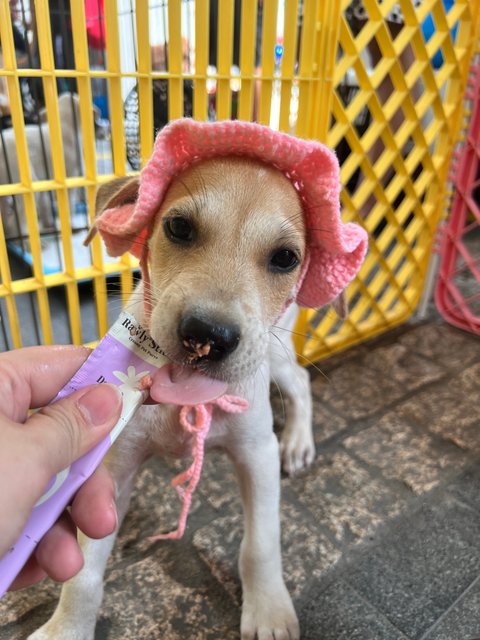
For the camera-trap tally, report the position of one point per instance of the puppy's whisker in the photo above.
(311, 363)
(291, 331)
(281, 397)
(285, 351)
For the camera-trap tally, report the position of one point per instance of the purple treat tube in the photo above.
(123, 357)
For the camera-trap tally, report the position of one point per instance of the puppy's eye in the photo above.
(179, 229)
(283, 261)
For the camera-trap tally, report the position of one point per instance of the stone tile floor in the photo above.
(381, 536)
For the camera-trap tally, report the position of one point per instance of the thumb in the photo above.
(69, 428)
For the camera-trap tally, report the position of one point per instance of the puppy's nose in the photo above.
(208, 339)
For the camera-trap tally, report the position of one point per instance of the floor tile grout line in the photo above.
(437, 622)
(361, 422)
(381, 614)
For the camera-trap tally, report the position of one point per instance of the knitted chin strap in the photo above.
(196, 420)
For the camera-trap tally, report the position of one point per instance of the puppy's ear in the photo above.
(340, 305)
(118, 193)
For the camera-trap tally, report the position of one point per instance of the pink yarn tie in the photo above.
(199, 428)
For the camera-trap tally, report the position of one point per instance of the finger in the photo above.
(93, 511)
(31, 377)
(57, 555)
(58, 552)
(50, 441)
(31, 573)
(93, 508)
(67, 429)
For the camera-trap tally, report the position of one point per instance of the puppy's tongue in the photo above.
(174, 384)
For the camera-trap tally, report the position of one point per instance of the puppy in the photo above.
(224, 253)
(40, 156)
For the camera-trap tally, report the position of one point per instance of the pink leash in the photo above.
(199, 427)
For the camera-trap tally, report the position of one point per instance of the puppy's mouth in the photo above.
(209, 356)
(203, 362)
(206, 366)
(195, 356)
(192, 356)
(197, 351)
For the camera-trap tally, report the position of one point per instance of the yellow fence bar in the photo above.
(269, 34)
(116, 111)
(202, 38)
(58, 164)
(144, 80)
(290, 31)
(224, 58)
(248, 29)
(79, 33)
(309, 30)
(328, 25)
(175, 83)
(24, 168)
(73, 73)
(115, 87)
(7, 293)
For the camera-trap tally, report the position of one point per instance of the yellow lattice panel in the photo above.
(394, 120)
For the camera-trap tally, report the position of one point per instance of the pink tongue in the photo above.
(174, 384)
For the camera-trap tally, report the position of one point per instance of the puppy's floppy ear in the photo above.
(120, 193)
(340, 305)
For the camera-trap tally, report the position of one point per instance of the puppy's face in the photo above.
(225, 254)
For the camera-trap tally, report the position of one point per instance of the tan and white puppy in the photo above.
(225, 254)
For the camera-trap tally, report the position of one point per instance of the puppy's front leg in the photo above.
(267, 611)
(297, 447)
(76, 614)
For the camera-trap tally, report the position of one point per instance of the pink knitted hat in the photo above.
(335, 250)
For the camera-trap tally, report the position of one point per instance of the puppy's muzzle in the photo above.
(207, 338)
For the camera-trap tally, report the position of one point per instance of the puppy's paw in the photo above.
(53, 632)
(269, 619)
(297, 450)
(39, 634)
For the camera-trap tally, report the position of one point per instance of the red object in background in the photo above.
(457, 292)
(95, 18)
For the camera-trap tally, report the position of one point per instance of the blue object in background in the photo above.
(278, 52)
(428, 30)
(102, 103)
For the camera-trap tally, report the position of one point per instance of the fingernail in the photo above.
(99, 403)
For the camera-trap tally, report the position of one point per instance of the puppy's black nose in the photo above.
(208, 339)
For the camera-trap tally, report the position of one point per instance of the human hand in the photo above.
(33, 449)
